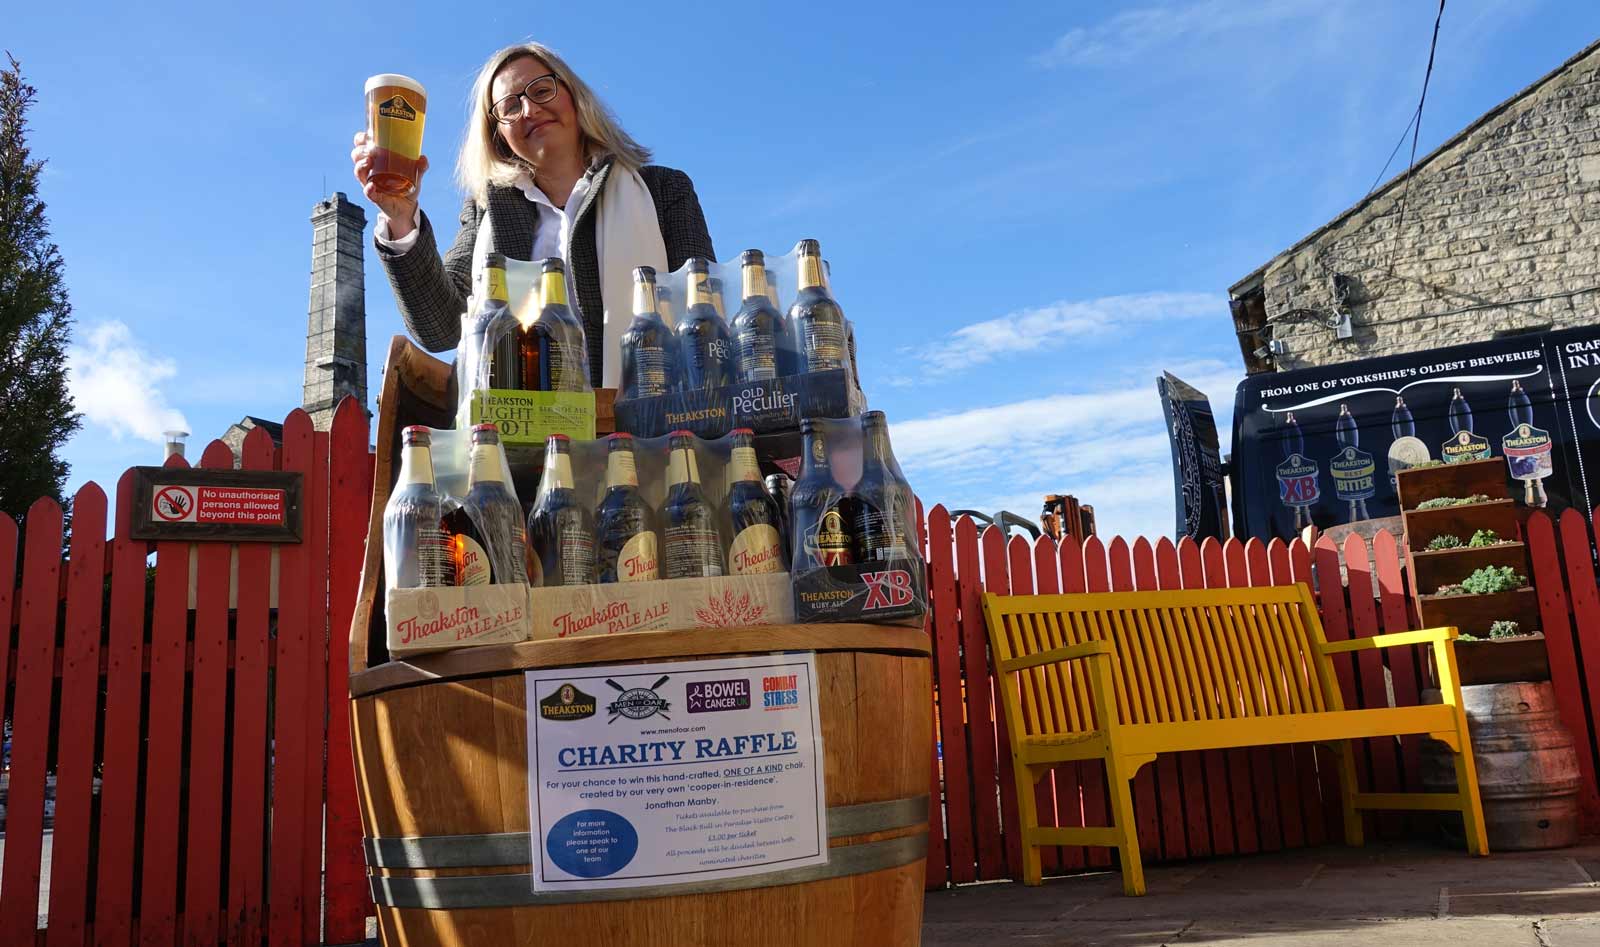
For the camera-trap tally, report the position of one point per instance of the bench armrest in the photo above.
(1398, 639)
(1075, 652)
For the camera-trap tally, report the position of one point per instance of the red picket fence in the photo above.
(1187, 805)
(197, 729)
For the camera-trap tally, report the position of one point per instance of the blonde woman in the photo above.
(548, 172)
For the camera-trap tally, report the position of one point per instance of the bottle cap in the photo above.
(743, 430)
(416, 433)
(681, 434)
(644, 274)
(753, 258)
(807, 425)
(552, 264)
(620, 435)
(559, 437)
(699, 264)
(808, 247)
(494, 260)
(874, 419)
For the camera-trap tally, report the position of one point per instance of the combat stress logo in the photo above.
(709, 696)
(638, 703)
(567, 703)
(780, 692)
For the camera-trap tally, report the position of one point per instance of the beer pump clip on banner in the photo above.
(453, 544)
(758, 341)
(523, 360)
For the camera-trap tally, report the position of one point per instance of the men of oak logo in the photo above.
(637, 703)
(704, 697)
(780, 692)
(567, 703)
(888, 589)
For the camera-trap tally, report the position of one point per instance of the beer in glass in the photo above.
(396, 109)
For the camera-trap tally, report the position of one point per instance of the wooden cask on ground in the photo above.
(441, 764)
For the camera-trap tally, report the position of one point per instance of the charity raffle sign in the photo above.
(673, 773)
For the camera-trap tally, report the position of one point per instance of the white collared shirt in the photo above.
(552, 236)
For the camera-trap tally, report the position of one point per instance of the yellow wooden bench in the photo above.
(1123, 676)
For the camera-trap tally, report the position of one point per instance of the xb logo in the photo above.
(891, 589)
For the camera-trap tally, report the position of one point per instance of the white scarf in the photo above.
(627, 234)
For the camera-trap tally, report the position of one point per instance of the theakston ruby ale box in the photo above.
(438, 619)
(884, 591)
(661, 605)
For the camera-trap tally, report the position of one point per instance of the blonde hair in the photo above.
(486, 159)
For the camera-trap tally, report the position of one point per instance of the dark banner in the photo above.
(1321, 446)
(1198, 492)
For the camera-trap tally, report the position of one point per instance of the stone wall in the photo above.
(1499, 232)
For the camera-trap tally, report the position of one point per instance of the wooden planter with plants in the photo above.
(1468, 568)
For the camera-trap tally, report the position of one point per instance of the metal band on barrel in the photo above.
(489, 891)
(500, 849)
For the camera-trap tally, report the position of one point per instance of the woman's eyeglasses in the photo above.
(513, 107)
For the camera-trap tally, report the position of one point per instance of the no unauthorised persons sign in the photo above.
(217, 505)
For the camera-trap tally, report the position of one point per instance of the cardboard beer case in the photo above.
(765, 407)
(661, 605)
(885, 591)
(439, 619)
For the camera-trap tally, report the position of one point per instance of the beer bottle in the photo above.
(664, 305)
(563, 353)
(560, 527)
(778, 488)
(714, 287)
(416, 551)
(494, 330)
(885, 508)
(486, 532)
(849, 327)
(759, 330)
(819, 531)
(625, 524)
(756, 524)
(788, 355)
(703, 336)
(816, 316)
(694, 550)
(649, 361)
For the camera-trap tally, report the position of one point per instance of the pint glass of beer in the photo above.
(396, 109)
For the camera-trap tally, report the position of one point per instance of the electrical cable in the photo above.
(1416, 131)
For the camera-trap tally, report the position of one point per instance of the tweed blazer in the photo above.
(432, 291)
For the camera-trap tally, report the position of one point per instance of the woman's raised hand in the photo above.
(401, 209)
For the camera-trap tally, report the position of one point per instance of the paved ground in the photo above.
(1382, 895)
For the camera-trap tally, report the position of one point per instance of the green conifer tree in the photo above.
(36, 410)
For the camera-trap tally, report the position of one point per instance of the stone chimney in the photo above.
(336, 323)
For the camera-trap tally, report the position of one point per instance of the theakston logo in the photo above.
(396, 106)
(567, 703)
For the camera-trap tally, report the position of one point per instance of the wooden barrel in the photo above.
(442, 768)
(1527, 765)
(441, 759)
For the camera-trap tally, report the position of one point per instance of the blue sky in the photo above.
(1031, 210)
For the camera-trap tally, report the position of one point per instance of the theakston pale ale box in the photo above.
(438, 619)
(728, 601)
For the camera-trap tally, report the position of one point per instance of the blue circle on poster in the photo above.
(592, 843)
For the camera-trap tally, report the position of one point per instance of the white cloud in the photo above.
(1052, 326)
(1134, 34)
(1108, 447)
(116, 383)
